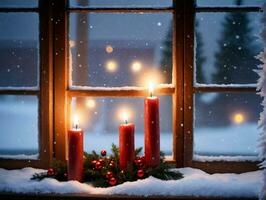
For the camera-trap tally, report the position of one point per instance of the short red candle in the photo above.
(152, 131)
(126, 145)
(75, 154)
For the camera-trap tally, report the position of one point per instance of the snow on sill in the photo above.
(229, 6)
(21, 157)
(124, 88)
(19, 88)
(195, 183)
(201, 158)
(253, 85)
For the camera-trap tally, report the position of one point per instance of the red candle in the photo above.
(126, 144)
(151, 130)
(75, 153)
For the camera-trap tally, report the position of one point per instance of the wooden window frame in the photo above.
(63, 93)
(44, 93)
(55, 94)
(190, 89)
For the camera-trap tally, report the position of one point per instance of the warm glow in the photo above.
(75, 121)
(239, 118)
(136, 66)
(124, 115)
(151, 88)
(148, 76)
(109, 49)
(111, 66)
(90, 103)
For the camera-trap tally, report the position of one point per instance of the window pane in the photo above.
(120, 3)
(19, 49)
(19, 126)
(226, 54)
(229, 2)
(100, 119)
(18, 3)
(226, 124)
(120, 49)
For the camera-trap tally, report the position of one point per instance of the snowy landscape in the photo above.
(234, 140)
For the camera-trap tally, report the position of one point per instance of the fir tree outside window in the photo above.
(225, 97)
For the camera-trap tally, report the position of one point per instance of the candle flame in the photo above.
(151, 88)
(75, 121)
(125, 116)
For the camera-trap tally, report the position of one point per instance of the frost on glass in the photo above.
(226, 46)
(226, 124)
(120, 3)
(120, 49)
(229, 3)
(101, 117)
(19, 49)
(18, 3)
(19, 126)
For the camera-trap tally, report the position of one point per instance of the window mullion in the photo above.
(60, 77)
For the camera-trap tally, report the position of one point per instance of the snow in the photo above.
(21, 157)
(251, 85)
(36, 88)
(224, 158)
(231, 140)
(194, 183)
(124, 88)
(261, 87)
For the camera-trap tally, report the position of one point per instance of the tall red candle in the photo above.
(151, 131)
(75, 154)
(126, 145)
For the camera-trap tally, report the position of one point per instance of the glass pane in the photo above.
(19, 49)
(226, 124)
(120, 3)
(215, 3)
(226, 55)
(19, 126)
(100, 119)
(120, 49)
(18, 3)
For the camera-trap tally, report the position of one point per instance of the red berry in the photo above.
(98, 165)
(65, 174)
(93, 162)
(103, 152)
(112, 164)
(50, 172)
(140, 173)
(112, 181)
(101, 161)
(139, 163)
(142, 158)
(109, 175)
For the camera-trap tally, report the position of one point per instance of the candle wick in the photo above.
(150, 94)
(76, 126)
(125, 121)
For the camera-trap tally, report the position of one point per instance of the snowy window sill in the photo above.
(195, 183)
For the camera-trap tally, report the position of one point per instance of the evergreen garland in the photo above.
(104, 171)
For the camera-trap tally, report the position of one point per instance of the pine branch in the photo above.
(138, 151)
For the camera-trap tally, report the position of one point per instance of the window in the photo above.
(94, 58)
(226, 108)
(25, 135)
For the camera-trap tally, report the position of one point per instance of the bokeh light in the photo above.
(109, 49)
(111, 66)
(136, 66)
